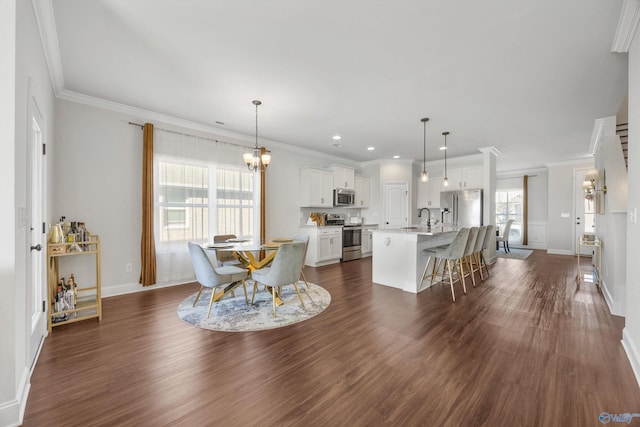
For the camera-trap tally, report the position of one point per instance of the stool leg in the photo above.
(424, 273)
(464, 287)
(453, 294)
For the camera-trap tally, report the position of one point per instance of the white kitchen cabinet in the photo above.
(325, 245)
(363, 192)
(428, 193)
(367, 239)
(463, 178)
(316, 188)
(344, 177)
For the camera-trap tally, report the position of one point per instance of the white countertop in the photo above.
(421, 230)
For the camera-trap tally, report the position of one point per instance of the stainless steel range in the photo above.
(351, 236)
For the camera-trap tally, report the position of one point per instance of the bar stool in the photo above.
(475, 256)
(485, 246)
(453, 252)
(468, 251)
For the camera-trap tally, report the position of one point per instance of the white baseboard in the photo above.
(129, 288)
(614, 308)
(560, 252)
(12, 412)
(541, 245)
(632, 353)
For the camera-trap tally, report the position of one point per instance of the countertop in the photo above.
(421, 230)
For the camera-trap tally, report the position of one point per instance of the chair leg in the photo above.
(273, 297)
(508, 248)
(477, 262)
(246, 296)
(295, 285)
(255, 289)
(483, 263)
(304, 278)
(424, 273)
(448, 265)
(213, 294)
(464, 287)
(198, 296)
(436, 268)
(470, 265)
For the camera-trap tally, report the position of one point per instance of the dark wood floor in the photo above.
(526, 347)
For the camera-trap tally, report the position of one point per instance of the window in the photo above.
(509, 206)
(196, 202)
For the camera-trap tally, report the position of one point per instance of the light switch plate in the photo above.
(564, 215)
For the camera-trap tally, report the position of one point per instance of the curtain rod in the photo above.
(233, 144)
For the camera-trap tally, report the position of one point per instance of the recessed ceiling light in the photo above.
(396, 157)
(371, 148)
(337, 137)
(443, 148)
(335, 144)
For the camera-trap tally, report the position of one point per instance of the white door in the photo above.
(34, 219)
(396, 204)
(585, 211)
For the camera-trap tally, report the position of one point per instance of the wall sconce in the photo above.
(589, 185)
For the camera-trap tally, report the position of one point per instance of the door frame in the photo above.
(36, 299)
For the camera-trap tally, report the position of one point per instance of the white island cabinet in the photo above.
(398, 257)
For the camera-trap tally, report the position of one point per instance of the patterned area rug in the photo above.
(233, 314)
(514, 253)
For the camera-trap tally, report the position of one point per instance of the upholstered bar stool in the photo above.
(468, 250)
(454, 252)
(485, 246)
(475, 256)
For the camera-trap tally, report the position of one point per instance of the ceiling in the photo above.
(528, 78)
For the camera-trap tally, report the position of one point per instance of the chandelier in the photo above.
(258, 158)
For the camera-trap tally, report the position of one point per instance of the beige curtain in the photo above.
(148, 246)
(525, 210)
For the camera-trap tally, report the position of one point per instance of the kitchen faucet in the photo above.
(428, 211)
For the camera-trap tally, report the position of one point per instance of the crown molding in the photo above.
(46, 22)
(514, 173)
(627, 25)
(491, 150)
(587, 160)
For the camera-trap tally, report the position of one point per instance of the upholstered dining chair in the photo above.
(305, 239)
(453, 252)
(475, 256)
(284, 270)
(504, 238)
(225, 257)
(214, 277)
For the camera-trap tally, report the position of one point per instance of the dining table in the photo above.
(253, 254)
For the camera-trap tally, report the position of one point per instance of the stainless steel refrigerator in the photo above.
(461, 208)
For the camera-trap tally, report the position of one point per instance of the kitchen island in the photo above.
(398, 258)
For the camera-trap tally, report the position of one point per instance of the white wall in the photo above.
(11, 324)
(631, 332)
(19, 32)
(99, 182)
(560, 228)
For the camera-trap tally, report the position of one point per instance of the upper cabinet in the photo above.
(363, 192)
(462, 178)
(428, 193)
(343, 177)
(316, 187)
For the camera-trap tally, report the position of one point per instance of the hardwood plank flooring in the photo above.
(525, 347)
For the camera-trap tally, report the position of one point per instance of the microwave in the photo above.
(344, 197)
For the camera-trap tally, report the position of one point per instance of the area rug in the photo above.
(231, 314)
(514, 253)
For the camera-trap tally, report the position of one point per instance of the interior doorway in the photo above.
(585, 210)
(396, 204)
(33, 218)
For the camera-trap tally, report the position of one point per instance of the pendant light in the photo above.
(424, 176)
(446, 180)
(259, 157)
